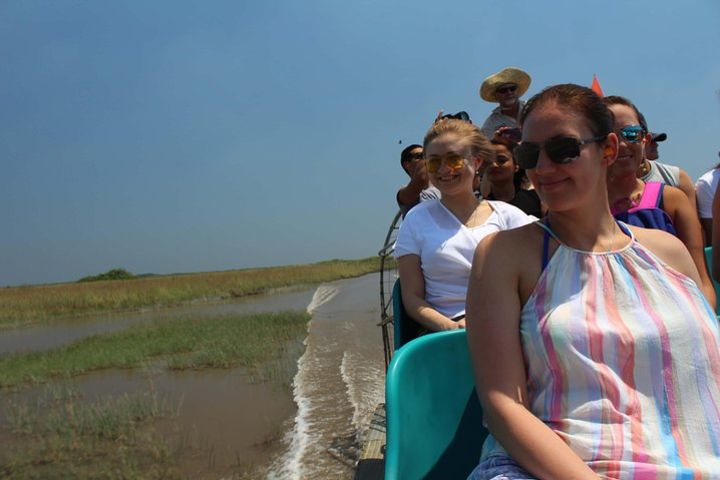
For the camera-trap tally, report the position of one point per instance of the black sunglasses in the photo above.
(560, 150)
(506, 89)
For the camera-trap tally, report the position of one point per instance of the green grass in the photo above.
(61, 437)
(195, 343)
(34, 304)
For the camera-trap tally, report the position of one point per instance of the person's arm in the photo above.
(493, 313)
(413, 297)
(716, 234)
(689, 232)
(704, 202)
(688, 188)
(409, 195)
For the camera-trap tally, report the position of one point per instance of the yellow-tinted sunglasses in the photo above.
(453, 161)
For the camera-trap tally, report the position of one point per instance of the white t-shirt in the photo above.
(705, 191)
(446, 247)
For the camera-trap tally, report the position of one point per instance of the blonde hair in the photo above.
(470, 134)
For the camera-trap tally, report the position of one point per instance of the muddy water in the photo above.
(231, 424)
(226, 425)
(70, 330)
(339, 382)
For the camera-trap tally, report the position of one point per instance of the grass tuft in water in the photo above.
(194, 343)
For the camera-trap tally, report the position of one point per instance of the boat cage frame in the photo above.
(388, 276)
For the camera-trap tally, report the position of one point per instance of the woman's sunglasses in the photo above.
(453, 161)
(560, 150)
(632, 133)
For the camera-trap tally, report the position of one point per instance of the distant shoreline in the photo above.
(28, 305)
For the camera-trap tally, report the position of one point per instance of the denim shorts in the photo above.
(499, 468)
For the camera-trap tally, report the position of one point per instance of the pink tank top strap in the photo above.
(650, 196)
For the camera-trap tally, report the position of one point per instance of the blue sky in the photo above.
(177, 136)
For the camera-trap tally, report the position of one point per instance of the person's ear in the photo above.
(610, 149)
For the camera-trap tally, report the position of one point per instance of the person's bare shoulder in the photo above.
(515, 253)
(668, 248)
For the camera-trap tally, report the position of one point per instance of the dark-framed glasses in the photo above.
(560, 150)
(453, 161)
(632, 133)
(506, 89)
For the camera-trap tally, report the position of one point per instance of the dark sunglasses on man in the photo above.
(506, 89)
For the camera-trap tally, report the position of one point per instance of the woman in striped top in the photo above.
(596, 355)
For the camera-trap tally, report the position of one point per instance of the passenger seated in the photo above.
(653, 171)
(705, 188)
(505, 178)
(437, 239)
(595, 353)
(418, 188)
(651, 204)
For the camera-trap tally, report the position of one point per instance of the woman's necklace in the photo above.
(468, 214)
(644, 168)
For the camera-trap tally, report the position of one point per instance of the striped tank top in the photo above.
(623, 363)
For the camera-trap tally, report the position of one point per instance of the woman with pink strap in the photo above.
(651, 204)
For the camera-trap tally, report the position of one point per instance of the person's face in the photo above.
(503, 167)
(630, 155)
(452, 180)
(651, 150)
(574, 184)
(416, 157)
(506, 95)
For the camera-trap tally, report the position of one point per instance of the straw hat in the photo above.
(506, 75)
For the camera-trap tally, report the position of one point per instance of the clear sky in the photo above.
(175, 136)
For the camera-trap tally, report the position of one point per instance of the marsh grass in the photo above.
(32, 304)
(193, 343)
(60, 436)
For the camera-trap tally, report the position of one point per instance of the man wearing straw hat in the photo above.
(504, 87)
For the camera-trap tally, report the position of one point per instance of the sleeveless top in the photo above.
(663, 173)
(648, 213)
(623, 363)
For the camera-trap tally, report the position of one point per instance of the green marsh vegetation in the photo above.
(32, 304)
(61, 435)
(195, 343)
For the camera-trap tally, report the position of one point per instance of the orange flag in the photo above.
(596, 86)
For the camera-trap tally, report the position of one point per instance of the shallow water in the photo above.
(340, 381)
(226, 423)
(307, 431)
(65, 331)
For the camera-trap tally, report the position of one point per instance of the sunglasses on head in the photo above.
(458, 116)
(632, 133)
(560, 150)
(416, 156)
(453, 161)
(506, 89)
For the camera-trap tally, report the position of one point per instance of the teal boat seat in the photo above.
(404, 327)
(708, 261)
(434, 418)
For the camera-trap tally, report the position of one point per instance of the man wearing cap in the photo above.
(651, 170)
(504, 87)
(651, 149)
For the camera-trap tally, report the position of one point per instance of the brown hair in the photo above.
(618, 100)
(575, 99)
(469, 133)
